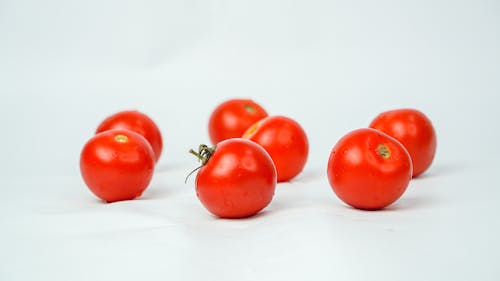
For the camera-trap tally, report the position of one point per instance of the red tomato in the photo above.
(237, 178)
(138, 122)
(285, 141)
(368, 169)
(414, 130)
(117, 165)
(231, 119)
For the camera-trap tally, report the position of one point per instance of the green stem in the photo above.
(204, 153)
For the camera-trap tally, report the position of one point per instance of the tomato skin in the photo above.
(412, 129)
(231, 118)
(285, 141)
(117, 165)
(238, 180)
(360, 175)
(137, 122)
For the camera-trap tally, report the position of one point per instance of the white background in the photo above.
(330, 65)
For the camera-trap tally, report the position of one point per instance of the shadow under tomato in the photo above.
(441, 170)
(402, 204)
(410, 204)
(259, 215)
(153, 193)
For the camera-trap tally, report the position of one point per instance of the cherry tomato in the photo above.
(231, 119)
(138, 122)
(237, 178)
(414, 130)
(117, 165)
(368, 169)
(285, 141)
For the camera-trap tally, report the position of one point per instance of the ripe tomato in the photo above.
(231, 119)
(414, 130)
(117, 165)
(138, 122)
(285, 141)
(368, 169)
(237, 178)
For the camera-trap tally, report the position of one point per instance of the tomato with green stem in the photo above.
(237, 178)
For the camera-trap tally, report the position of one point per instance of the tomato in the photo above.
(285, 141)
(231, 119)
(138, 122)
(368, 169)
(117, 165)
(237, 178)
(414, 130)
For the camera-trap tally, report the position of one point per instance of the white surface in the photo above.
(332, 66)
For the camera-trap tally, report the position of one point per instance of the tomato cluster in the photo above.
(237, 178)
(117, 163)
(251, 151)
(371, 168)
(282, 137)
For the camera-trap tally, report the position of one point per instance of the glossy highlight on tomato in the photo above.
(237, 179)
(117, 165)
(285, 141)
(137, 122)
(414, 130)
(231, 118)
(368, 169)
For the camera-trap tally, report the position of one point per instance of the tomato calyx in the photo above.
(121, 138)
(249, 108)
(383, 151)
(204, 153)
